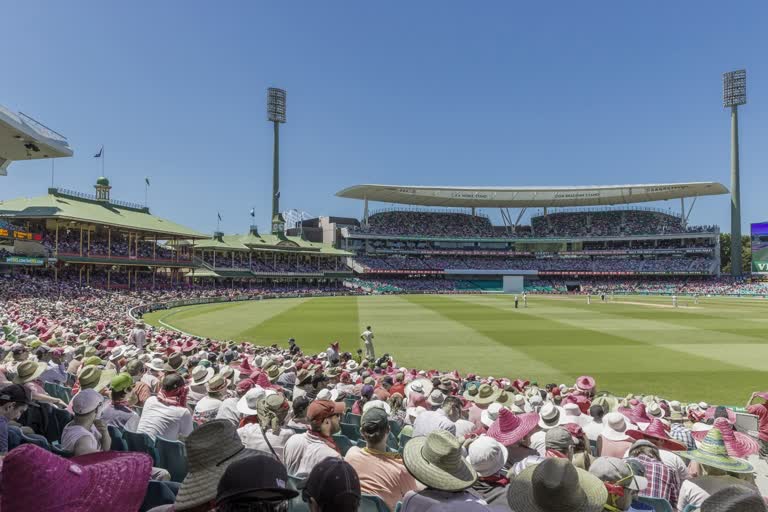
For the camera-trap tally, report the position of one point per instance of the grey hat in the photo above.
(617, 471)
(558, 438)
(734, 498)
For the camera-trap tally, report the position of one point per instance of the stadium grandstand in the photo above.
(580, 232)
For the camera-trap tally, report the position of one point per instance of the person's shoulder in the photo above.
(354, 453)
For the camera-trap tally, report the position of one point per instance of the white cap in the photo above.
(486, 455)
(86, 401)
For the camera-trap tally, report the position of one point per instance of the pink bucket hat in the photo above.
(36, 479)
(737, 444)
(510, 428)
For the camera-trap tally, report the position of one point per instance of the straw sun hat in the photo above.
(436, 461)
(713, 452)
(555, 485)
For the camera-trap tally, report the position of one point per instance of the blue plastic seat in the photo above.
(371, 503)
(159, 493)
(394, 428)
(50, 388)
(172, 456)
(58, 450)
(691, 508)
(351, 431)
(39, 440)
(140, 443)
(403, 441)
(343, 442)
(353, 419)
(297, 504)
(658, 504)
(350, 401)
(118, 442)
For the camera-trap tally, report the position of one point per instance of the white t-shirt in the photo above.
(253, 439)
(168, 422)
(302, 453)
(368, 335)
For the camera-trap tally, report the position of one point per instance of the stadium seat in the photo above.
(343, 442)
(14, 437)
(394, 427)
(392, 443)
(350, 401)
(691, 508)
(593, 448)
(159, 493)
(354, 419)
(140, 443)
(56, 448)
(371, 503)
(118, 441)
(658, 504)
(403, 441)
(351, 431)
(50, 388)
(35, 439)
(172, 456)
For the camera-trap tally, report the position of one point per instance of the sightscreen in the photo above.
(760, 248)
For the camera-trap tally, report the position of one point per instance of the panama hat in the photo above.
(211, 448)
(247, 403)
(657, 434)
(736, 443)
(175, 361)
(201, 375)
(654, 410)
(216, 384)
(486, 394)
(549, 416)
(471, 392)
(29, 371)
(510, 428)
(487, 456)
(585, 383)
(489, 415)
(274, 371)
(615, 426)
(556, 485)
(436, 398)
(435, 460)
(713, 452)
(156, 364)
(423, 386)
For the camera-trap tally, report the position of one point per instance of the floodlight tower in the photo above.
(735, 94)
(276, 114)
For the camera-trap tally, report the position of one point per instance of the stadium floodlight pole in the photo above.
(276, 114)
(735, 94)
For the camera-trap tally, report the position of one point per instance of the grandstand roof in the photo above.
(267, 242)
(24, 138)
(524, 197)
(59, 205)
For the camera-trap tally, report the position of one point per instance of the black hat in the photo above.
(16, 393)
(334, 485)
(254, 478)
(734, 498)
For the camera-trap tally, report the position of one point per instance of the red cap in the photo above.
(319, 410)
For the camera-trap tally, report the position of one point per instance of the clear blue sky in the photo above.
(451, 93)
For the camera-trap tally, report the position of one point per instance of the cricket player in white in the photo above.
(674, 301)
(367, 337)
(525, 300)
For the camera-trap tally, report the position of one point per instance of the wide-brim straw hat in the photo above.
(713, 452)
(29, 371)
(657, 435)
(736, 443)
(436, 461)
(425, 384)
(210, 450)
(615, 426)
(200, 377)
(556, 485)
(486, 394)
(510, 428)
(250, 398)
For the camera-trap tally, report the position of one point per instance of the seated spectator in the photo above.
(14, 400)
(257, 483)
(166, 415)
(268, 434)
(443, 418)
(304, 451)
(613, 440)
(663, 481)
(299, 419)
(332, 486)
(488, 457)
(556, 485)
(37, 480)
(594, 428)
(208, 407)
(621, 482)
(381, 472)
(28, 374)
(734, 498)
(86, 433)
(141, 390)
(117, 411)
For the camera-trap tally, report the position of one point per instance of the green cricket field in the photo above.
(716, 350)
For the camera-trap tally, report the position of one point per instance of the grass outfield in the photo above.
(714, 351)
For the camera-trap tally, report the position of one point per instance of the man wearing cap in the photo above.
(56, 371)
(256, 482)
(444, 418)
(304, 451)
(14, 401)
(382, 473)
(332, 486)
(117, 412)
(86, 433)
(622, 483)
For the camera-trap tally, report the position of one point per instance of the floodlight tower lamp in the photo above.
(276, 114)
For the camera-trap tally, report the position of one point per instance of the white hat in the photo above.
(614, 427)
(487, 455)
(352, 365)
(87, 400)
(653, 409)
(117, 352)
(549, 416)
(156, 364)
(436, 398)
(489, 415)
(324, 394)
(377, 403)
(247, 404)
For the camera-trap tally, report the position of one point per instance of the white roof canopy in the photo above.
(525, 197)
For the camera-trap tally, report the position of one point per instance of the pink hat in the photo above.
(710, 413)
(510, 428)
(657, 433)
(737, 444)
(520, 384)
(245, 367)
(636, 414)
(36, 479)
(585, 383)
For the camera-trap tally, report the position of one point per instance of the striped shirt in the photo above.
(679, 433)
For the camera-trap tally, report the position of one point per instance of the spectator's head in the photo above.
(374, 427)
(332, 486)
(272, 411)
(559, 441)
(554, 485)
(622, 483)
(14, 401)
(300, 407)
(121, 385)
(487, 456)
(325, 416)
(734, 498)
(135, 369)
(597, 412)
(257, 483)
(87, 405)
(436, 461)
(217, 386)
(644, 448)
(172, 382)
(452, 407)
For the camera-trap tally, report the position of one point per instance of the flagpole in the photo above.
(146, 191)
(103, 157)
(53, 172)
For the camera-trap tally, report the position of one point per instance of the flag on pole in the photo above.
(278, 194)
(253, 213)
(146, 180)
(101, 151)
(219, 214)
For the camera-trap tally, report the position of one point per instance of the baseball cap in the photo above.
(319, 410)
(86, 401)
(121, 382)
(558, 438)
(18, 394)
(374, 419)
(134, 366)
(258, 477)
(334, 485)
(617, 471)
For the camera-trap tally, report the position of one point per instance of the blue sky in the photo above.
(450, 93)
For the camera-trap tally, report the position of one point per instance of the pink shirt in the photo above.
(761, 411)
(608, 448)
(383, 475)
